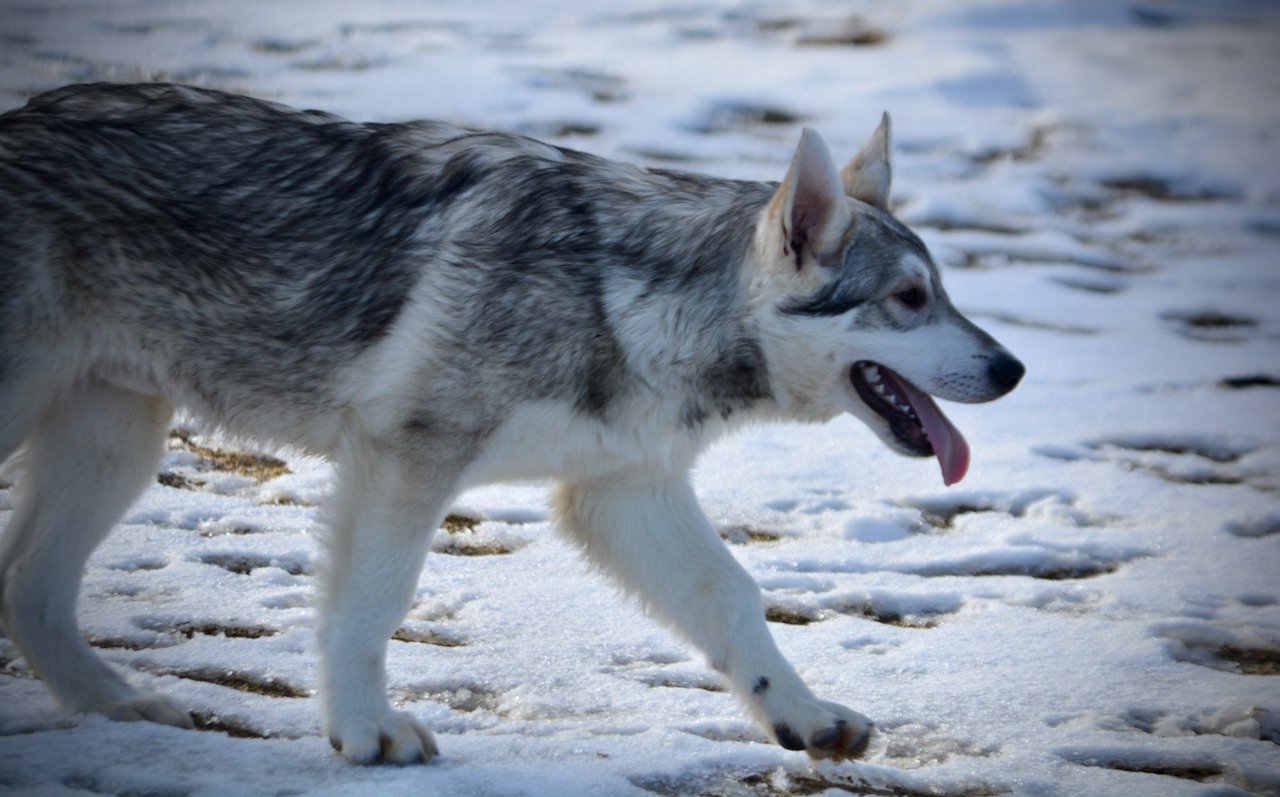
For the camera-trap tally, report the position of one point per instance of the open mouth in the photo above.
(916, 422)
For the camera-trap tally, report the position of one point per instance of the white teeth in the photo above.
(872, 374)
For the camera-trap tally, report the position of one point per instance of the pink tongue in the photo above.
(949, 445)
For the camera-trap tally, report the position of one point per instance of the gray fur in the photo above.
(245, 224)
(434, 307)
(863, 264)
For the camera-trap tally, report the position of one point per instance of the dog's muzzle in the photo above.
(915, 420)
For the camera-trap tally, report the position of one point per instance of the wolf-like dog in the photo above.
(435, 307)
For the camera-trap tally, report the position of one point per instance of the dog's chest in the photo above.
(552, 440)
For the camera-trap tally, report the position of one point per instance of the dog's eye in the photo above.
(912, 297)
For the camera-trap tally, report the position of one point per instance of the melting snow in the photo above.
(1095, 611)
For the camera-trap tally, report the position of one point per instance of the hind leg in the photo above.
(88, 455)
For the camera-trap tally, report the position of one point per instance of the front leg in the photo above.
(649, 532)
(384, 515)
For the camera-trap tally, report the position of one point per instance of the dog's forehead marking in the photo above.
(878, 252)
(914, 268)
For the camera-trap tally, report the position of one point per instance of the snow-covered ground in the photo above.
(1094, 611)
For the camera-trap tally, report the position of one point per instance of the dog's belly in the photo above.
(550, 440)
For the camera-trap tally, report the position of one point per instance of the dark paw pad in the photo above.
(787, 737)
(384, 747)
(421, 756)
(839, 741)
(828, 739)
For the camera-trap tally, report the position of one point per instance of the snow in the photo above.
(1095, 610)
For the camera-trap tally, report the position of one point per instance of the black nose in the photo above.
(1005, 371)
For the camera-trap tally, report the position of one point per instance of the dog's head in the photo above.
(853, 311)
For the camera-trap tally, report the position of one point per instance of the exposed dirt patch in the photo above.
(239, 563)
(114, 643)
(867, 610)
(427, 636)
(1045, 326)
(231, 727)
(560, 128)
(244, 563)
(1164, 190)
(454, 523)
(870, 611)
(463, 539)
(191, 630)
(945, 224)
(1199, 772)
(274, 46)
(1249, 381)
(741, 535)
(1251, 661)
(704, 681)
(1097, 284)
(1224, 649)
(1049, 569)
(218, 529)
(851, 32)
(1031, 149)
(790, 616)
(464, 547)
(280, 499)
(178, 481)
(728, 115)
(1183, 478)
(660, 155)
(259, 467)
(267, 686)
(942, 516)
(1210, 325)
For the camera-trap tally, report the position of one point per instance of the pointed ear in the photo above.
(868, 175)
(810, 204)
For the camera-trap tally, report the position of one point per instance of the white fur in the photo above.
(624, 493)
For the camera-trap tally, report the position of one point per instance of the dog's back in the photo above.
(173, 239)
(174, 236)
(393, 296)
(435, 307)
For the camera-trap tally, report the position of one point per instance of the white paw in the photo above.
(824, 730)
(143, 706)
(394, 738)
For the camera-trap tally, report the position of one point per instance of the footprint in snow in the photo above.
(1208, 459)
(1217, 647)
(1241, 721)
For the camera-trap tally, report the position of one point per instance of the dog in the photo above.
(434, 307)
